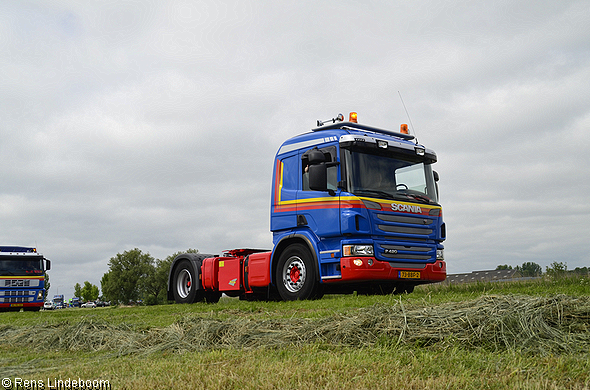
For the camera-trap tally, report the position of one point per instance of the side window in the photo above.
(330, 153)
(411, 177)
(289, 178)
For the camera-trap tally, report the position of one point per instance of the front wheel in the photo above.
(404, 288)
(296, 274)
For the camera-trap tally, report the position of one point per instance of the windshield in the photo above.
(390, 176)
(20, 266)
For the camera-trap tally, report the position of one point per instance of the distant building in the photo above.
(484, 276)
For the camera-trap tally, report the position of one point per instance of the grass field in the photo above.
(529, 335)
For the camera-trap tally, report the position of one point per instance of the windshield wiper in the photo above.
(415, 195)
(381, 194)
(399, 195)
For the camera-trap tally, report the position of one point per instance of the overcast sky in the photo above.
(153, 125)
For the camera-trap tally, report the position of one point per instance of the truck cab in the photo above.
(363, 202)
(22, 278)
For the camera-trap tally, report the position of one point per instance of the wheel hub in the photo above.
(294, 274)
(183, 284)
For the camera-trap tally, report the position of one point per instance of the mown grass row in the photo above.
(534, 334)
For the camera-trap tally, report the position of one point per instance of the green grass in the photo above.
(324, 362)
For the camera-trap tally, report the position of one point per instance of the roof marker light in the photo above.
(404, 129)
(352, 117)
(339, 118)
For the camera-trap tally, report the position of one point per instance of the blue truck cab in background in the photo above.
(22, 278)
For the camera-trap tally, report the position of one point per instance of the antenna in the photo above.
(409, 119)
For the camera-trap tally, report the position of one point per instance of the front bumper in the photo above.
(21, 305)
(365, 269)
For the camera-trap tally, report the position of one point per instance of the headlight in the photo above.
(440, 254)
(40, 295)
(357, 250)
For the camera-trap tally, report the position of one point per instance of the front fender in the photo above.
(283, 241)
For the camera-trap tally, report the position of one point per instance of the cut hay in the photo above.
(559, 324)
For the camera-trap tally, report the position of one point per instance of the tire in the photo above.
(296, 274)
(384, 289)
(404, 288)
(185, 283)
(212, 296)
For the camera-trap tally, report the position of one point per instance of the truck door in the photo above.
(284, 193)
(319, 210)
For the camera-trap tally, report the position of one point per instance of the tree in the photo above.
(78, 290)
(125, 280)
(89, 292)
(502, 267)
(582, 271)
(556, 269)
(530, 269)
(104, 281)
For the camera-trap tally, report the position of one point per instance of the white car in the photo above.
(48, 306)
(89, 304)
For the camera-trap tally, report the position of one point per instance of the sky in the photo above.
(154, 125)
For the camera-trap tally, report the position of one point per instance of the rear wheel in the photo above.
(185, 284)
(296, 274)
(212, 296)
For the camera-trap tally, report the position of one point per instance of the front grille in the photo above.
(16, 293)
(403, 224)
(18, 299)
(405, 238)
(403, 219)
(19, 283)
(410, 252)
(397, 248)
(404, 230)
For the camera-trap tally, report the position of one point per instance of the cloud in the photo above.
(152, 125)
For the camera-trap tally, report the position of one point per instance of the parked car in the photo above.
(48, 306)
(89, 304)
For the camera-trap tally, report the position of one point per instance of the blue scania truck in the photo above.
(353, 208)
(22, 278)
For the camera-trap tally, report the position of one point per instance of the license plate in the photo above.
(409, 274)
(16, 305)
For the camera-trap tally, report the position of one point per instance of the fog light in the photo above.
(370, 262)
(357, 262)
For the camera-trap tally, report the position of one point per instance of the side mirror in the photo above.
(47, 264)
(315, 156)
(436, 179)
(318, 176)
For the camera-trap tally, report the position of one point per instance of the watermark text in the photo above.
(55, 384)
